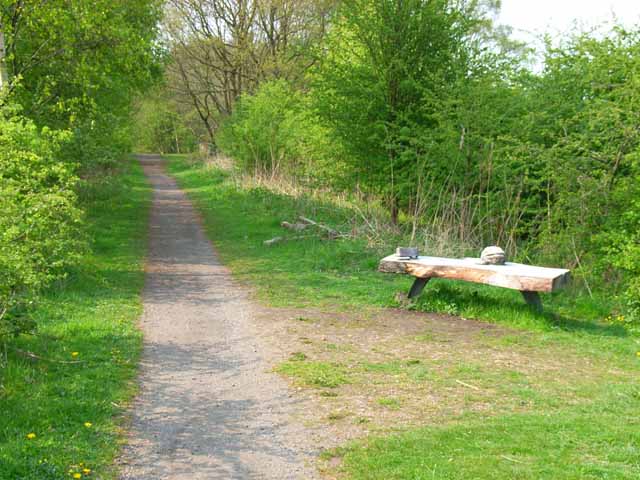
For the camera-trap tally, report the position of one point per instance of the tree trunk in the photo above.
(4, 75)
(395, 210)
(175, 133)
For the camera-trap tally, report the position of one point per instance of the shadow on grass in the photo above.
(497, 304)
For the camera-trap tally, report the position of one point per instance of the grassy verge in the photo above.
(554, 399)
(60, 419)
(342, 274)
(593, 442)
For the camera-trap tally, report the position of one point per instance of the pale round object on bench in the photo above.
(493, 256)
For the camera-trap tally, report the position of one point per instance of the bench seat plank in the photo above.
(527, 278)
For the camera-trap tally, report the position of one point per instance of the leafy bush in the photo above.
(465, 146)
(39, 218)
(275, 132)
(160, 127)
(621, 241)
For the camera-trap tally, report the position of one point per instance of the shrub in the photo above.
(275, 132)
(160, 127)
(39, 218)
(620, 240)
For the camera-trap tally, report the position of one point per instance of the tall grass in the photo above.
(457, 224)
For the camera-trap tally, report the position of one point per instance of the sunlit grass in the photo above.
(60, 419)
(316, 374)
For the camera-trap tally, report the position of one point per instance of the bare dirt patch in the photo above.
(379, 371)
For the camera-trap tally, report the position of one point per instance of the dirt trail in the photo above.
(208, 408)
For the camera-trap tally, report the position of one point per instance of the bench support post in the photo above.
(533, 300)
(418, 286)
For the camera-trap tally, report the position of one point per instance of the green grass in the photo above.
(591, 442)
(391, 403)
(576, 428)
(342, 274)
(93, 312)
(413, 370)
(315, 374)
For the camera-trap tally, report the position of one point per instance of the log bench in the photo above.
(528, 279)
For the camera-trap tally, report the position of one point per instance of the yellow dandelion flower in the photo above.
(74, 354)
(86, 471)
(637, 354)
(31, 436)
(77, 475)
(88, 424)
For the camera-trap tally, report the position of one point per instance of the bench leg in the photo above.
(418, 286)
(533, 300)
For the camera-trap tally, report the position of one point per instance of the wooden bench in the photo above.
(528, 279)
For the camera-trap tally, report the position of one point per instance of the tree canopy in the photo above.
(69, 72)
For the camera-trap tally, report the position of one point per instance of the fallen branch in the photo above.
(275, 240)
(330, 231)
(296, 227)
(467, 385)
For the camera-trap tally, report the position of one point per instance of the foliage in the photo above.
(71, 71)
(274, 132)
(386, 68)
(75, 66)
(591, 117)
(93, 313)
(464, 144)
(621, 239)
(318, 273)
(222, 50)
(160, 127)
(39, 217)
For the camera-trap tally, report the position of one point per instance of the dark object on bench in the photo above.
(407, 253)
(528, 279)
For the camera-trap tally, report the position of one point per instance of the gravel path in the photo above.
(208, 408)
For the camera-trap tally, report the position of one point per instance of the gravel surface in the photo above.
(209, 406)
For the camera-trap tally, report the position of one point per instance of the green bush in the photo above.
(159, 127)
(39, 218)
(621, 241)
(275, 132)
(464, 146)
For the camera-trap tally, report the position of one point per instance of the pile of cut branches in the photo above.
(312, 229)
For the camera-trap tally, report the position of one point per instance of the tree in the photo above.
(160, 126)
(386, 68)
(4, 76)
(76, 65)
(222, 49)
(274, 132)
(69, 71)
